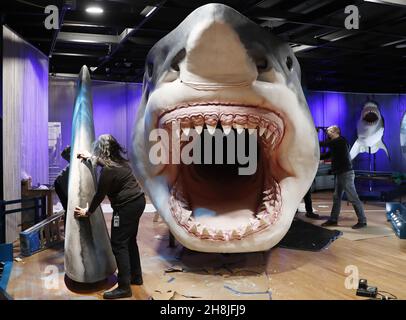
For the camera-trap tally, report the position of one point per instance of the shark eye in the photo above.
(150, 69)
(177, 59)
(262, 64)
(289, 63)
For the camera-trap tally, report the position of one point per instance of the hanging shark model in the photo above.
(370, 130)
(88, 254)
(403, 136)
(220, 72)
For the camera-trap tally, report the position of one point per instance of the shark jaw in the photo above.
(371, 115)
(212, 210)
(204, 88)
(218, 212)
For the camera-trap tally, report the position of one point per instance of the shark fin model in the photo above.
(88, 254)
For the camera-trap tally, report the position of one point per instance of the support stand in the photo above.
(372, 167)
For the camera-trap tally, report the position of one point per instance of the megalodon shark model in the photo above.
(88, 254)
(370, 130)
(220, 72)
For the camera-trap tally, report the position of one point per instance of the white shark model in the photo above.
(370, 130)
(403, 136)
(220, 71)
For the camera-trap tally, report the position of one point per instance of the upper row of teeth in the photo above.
(240, 123)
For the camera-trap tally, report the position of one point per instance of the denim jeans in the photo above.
(345, 183)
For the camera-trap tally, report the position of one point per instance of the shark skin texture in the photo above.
(370, 129)
(88, 254)
(220, 71)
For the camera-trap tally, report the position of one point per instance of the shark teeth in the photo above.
(199, 129)
(185, 216)
(271, 130)
(186, 131)
(193, 229)
(226, 129)
(211, 129)
(264, 123)
(205, 233)
(238, 127)
(266, 215)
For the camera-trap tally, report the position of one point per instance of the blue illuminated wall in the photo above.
(344, 109)
(115, 105)
(114, 108)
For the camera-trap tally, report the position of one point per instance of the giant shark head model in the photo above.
(370, 130)
(219, 70)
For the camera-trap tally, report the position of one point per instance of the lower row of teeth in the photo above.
(266, 216)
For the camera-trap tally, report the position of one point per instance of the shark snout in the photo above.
(215, 57)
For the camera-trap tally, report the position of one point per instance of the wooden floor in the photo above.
(284, 273)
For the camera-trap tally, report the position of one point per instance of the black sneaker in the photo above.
(118, 293)
(329, 223)
(312, 215)
(359, 225)
(137, 280)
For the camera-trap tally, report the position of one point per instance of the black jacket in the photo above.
(118, 183)
(339, 155)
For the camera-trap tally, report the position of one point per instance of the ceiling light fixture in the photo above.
(148, 10)
(94, 10)
(300, 48)
(389, 2)
(392, 43)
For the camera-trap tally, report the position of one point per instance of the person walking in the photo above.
(344, 177)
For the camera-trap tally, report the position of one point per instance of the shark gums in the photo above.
(370, 130)
(220, 72)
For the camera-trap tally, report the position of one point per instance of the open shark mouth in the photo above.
(370, 115)
(220, 77)
(220, 212)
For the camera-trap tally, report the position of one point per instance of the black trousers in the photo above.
(308, 201)
(61, 192)
(124, 240)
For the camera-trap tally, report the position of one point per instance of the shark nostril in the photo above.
(177, 59)
(289, 63)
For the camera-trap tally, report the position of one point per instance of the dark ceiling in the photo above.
(371, 59)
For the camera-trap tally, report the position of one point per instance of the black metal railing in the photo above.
(39, 207)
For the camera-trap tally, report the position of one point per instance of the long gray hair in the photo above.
(109, 150)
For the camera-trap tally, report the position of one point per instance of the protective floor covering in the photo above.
(306, 236)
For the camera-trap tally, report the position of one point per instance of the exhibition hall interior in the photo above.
(190, 150)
